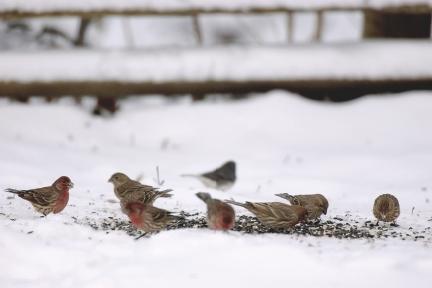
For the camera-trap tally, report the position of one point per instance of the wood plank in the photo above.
(96, 13)
(318, 89)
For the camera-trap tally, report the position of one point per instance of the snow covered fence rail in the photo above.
(314, 70)
(43, 8)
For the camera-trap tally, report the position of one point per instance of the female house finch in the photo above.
(49, 199)
(148, 218)
(274, 214)
(386, 208)
(222, 178)
(220, 215)
(315, 204)
(124, 186)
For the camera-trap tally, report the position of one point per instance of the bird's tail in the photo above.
(284, 196)
(14, 191)
(203, 196)
(236, 203)
(165, 193)
(190, 175)
(177, 216)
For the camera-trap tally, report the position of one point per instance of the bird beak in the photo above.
(110, 180)
(71, 185)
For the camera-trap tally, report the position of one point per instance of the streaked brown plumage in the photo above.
(315, 204)
(386, 208)
(274, 214)
(148, 218)
(49, 199)
(220, 215)
(124, 187)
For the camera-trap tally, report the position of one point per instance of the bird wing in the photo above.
(41, 196)
(225, 172)
(276, 210)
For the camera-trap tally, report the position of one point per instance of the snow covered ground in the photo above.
(169, 5)
(349, 152)
(370, 60)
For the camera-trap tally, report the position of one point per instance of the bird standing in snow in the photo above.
(49, 199)
(315, 204)
(222, 178)
(274, 214)
(148, 218)
(386, 208)
(131, 190)
(220, 215)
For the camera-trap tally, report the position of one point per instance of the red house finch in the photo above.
(222, 178)
(220, 215)
(386, 208)
(274, 214)
(124, 187)
(148, 218)
(315, 204)
(49, 199)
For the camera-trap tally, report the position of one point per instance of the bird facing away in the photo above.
(220, 215)
(124, 187)
(148, 218)
(222, 178)
(315, 204)
(49, 199)
(386, 208)
(274, 214)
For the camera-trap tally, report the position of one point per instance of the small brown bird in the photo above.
(274, 214)
(315, 204)
(148, 218)
(49, 199)
(220, 215)
(386, 208)
(124, 187)
(222, 178)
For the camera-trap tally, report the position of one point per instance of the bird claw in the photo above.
(142, 235)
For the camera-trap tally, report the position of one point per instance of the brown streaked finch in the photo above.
(274, 214)
(220, 215)
(386, 208)
(49, 199)
(148, 218)
(316, 204)
(124, 187)
(222, 178)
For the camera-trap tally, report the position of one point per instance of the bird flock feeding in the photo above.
(137, 202)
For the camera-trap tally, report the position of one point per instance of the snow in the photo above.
(167, 5)
(369, 60)
(349, 152)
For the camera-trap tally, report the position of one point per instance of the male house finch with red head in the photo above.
(315, 204)
(220, 215)
(49, 199)
(146, 217)
(274, 214)
(386, 208)
(124, 187)
(222, 178)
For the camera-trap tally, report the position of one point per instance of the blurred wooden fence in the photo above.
(377, 15)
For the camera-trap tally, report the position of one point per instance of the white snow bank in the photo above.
(370, 60)
(282, 143)
(170, 5)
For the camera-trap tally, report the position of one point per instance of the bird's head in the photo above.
(118, 179)
(63, 183)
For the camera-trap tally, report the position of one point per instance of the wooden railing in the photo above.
(16, 9)
(97, 8)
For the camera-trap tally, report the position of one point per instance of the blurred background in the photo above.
(323, 50)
